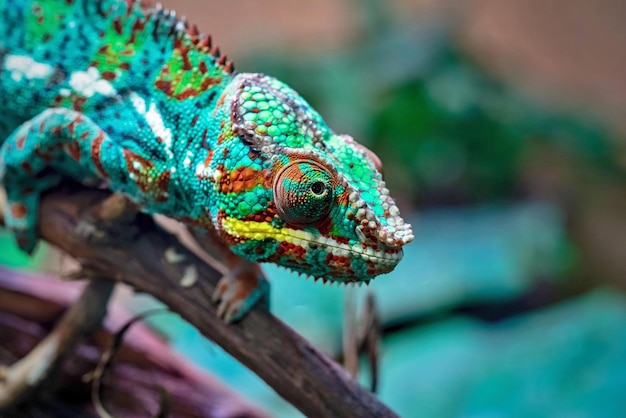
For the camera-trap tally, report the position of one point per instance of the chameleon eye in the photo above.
(303, 192)
(318, 188)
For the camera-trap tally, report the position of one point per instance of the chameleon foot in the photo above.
(21, 209)
(20, 216)
(32, 154)
(239, 290)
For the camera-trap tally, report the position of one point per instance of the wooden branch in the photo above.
(41, 365)
(155, 262)
(145, 365)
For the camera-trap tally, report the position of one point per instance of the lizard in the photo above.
(129, 96)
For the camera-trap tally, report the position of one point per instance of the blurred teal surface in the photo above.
(565, 361)
(470, 254)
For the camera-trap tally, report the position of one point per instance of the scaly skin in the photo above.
(118, 93)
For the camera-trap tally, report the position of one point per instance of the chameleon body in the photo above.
(118, 93)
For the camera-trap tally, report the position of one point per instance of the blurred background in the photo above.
(501, 127)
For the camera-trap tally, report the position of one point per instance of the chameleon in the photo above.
(129, 96)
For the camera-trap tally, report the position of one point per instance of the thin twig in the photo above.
(107, 358)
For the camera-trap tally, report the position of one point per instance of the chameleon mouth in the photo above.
(367, 253)
(385, 259)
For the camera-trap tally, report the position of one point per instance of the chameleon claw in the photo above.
(238, 291)
(229, 312)
(220, 291)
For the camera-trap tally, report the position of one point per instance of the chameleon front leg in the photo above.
(56, 138)
(243, 284)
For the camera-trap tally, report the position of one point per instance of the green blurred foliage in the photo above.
(447, 131)
(462, 136)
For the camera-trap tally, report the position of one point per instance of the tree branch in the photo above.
(41, 364)
(155, 262)
(144, 367)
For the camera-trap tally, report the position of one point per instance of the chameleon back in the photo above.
(107, 59)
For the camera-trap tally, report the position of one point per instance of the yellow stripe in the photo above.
(261, 230)
(250, 229)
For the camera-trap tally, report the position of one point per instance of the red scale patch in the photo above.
(108, 75)
(138, 27)
(19, 143)
(73, 149)
(146, 176)
(25, 165)
(117, 25)
(46, 155)
(18, 210)
(96, 149)
(165, 86)
(177, 80)
(295, 253)
(338, 262)
(240, 180)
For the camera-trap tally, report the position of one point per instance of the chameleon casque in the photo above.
(129, 96)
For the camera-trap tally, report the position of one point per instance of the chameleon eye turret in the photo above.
(303, 193)
(330, 214)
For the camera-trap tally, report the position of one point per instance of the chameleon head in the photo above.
(314, 201)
